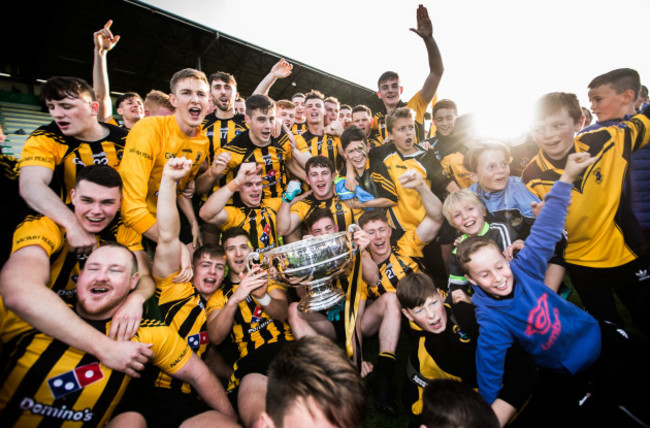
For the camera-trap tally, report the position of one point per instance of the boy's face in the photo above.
(492, 171)
(431, 316)
(95, 206)
(444, 120)
(379, 233)
(403, 135)
(320, 180)
(489, 270)
(467, 218)
(606, 104)
(323, 226)
(345, 117)
(363, 120)
(288, 117)
(389, 92)
(251, 191)
(223, 95)
(75, 117)
(300, 108)
(190, 99)
(554, 134)
(131, 109)
(331, 112)
(208, 274)
(356, 152)
(104, 282)
(240, 107)
(314, 111)
(260, 125)
(237, 249)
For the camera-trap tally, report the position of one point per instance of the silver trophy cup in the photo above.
(313, 263)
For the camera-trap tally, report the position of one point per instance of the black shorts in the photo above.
(257, 361)
(160, 407)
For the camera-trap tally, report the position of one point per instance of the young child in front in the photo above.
(514, 306)
(508, 200)
(464, 210)
(444, 346)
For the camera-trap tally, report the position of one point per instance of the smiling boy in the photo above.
(604, 251)
(153, 140)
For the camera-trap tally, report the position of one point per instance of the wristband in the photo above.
(264, 300)
(233, 183)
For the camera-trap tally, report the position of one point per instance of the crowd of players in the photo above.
(128, 298)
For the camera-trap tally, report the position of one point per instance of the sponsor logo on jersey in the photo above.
(74, 380)
(196, 340)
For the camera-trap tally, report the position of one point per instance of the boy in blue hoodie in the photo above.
(513, 305)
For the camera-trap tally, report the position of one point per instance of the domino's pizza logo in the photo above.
(75, 380)
(266, 235)
(257, 315)
(271, 176)
(196, 340)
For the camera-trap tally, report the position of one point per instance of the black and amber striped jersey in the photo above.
(259, 222)
(344, 216)
(450, 152)
(151, 142)
(65, 266)
(222, 131)
(252, 328)
(446, 355)
(324, 145)
(272, 158)
(388, 164)
(14, 209)
(374, 139)
(299, 128)
(404, 259)
(417, 104)
(183, 309)
(375, 184)
(601, 227)
(48, 147)
(48, 383)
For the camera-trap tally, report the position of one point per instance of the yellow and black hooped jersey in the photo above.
(221, 132)
(272, 158)
(48, 147)
(183, 309)
(299, 128)
(259, 222)
(324, 145)
(151, 142)
(403, 259)
(344, 216)
(601, 227)
(48, 383)
(388, 164)
(417, 104)
(450, 152)
(446, 355)
(65, 266)
(252, 327)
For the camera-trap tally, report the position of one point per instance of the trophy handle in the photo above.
(351, 230)
(253, 258)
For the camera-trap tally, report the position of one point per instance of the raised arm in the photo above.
(205, 182)
(104, 42)
(167, 259)
(280, 70)
(212, 210)
(428, 229)
(34, 187)
(288, 221)
(24, 290)
(425, 30)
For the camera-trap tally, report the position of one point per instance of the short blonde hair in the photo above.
(460, 197)
(398, 113)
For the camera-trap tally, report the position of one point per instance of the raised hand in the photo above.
(177, 168)
(104, 38)
(411, 179)
(281, 69)
(425, 29)
(576, 163)
(220, 163)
